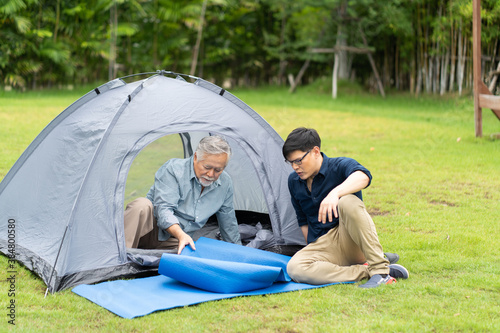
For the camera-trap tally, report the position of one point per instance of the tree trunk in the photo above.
(396, 67)
(437, 70)
(428, 76)
(299, 76)
(412, 75)
(113, 26)
(494, 79)
(343, 57)
(453, 59)
(377, 77)
(494, 55)
(420, 63)
(386, 79)
(196, 50)
(427, 63)
(462, 48)
(283, 62)
(444, 72)
(130, 65)
(58, 18)
(372, 63)
(419, 81)
(335, 75)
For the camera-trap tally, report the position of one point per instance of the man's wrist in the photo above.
(335, 192)
(175, 230)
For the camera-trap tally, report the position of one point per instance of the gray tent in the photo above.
(65, 195)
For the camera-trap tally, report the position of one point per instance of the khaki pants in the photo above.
(339, 255)
(141, 230)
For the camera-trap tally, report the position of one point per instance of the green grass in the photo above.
(434, 198)
(143, 168)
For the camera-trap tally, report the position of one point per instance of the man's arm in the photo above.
(305, 229)
(165, 197)
(357, 181)
(301, 217)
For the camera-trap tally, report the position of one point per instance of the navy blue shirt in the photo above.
(333, 172)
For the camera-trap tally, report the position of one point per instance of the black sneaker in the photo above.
(392, 257)
(398, 272)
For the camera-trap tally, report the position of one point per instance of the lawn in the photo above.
(435, 199)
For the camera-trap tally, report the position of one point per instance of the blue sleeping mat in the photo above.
(216, 270)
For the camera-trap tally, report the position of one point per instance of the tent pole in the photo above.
(57, 258)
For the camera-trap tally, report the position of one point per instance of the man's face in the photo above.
(209, 167)
(305, 163)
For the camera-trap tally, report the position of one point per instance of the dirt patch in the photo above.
(443, 203)
(377, 212)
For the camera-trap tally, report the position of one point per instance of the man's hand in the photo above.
(328, 207)
(357, 181)
(184, 239)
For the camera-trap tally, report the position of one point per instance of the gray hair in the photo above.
(213, 145)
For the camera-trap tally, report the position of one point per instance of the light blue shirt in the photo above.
(177, 199)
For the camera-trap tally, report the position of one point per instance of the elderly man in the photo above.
(186, 192)
(326, 194)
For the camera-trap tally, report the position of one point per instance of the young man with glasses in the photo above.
(342, 241)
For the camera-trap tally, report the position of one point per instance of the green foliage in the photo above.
(249, 42)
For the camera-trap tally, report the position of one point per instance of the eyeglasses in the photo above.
(299, 161)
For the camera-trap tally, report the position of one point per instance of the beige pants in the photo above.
(141, 230)
(339, 255)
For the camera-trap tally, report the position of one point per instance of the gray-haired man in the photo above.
(186, 192)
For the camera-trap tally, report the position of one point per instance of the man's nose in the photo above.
(295, 166)
(211, 173)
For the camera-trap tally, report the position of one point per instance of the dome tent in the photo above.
(65, 194)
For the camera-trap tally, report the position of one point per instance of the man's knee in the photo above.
(292, 269)
(138, 221)
(138, 213)
(296, 269)
(140, 204)
(349, 204)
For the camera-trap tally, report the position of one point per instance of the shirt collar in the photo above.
(324, 166)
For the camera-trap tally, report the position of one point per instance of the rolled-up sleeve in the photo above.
(226, 217)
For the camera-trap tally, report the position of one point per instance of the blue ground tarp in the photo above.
(216, 270)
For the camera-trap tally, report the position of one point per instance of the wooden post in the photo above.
(476, 56)
(335, 75)
(483, 98)
(366, 50)
(297, 80)
(374, 68)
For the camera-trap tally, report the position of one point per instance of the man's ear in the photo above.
(316, 151)
(195, 157)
